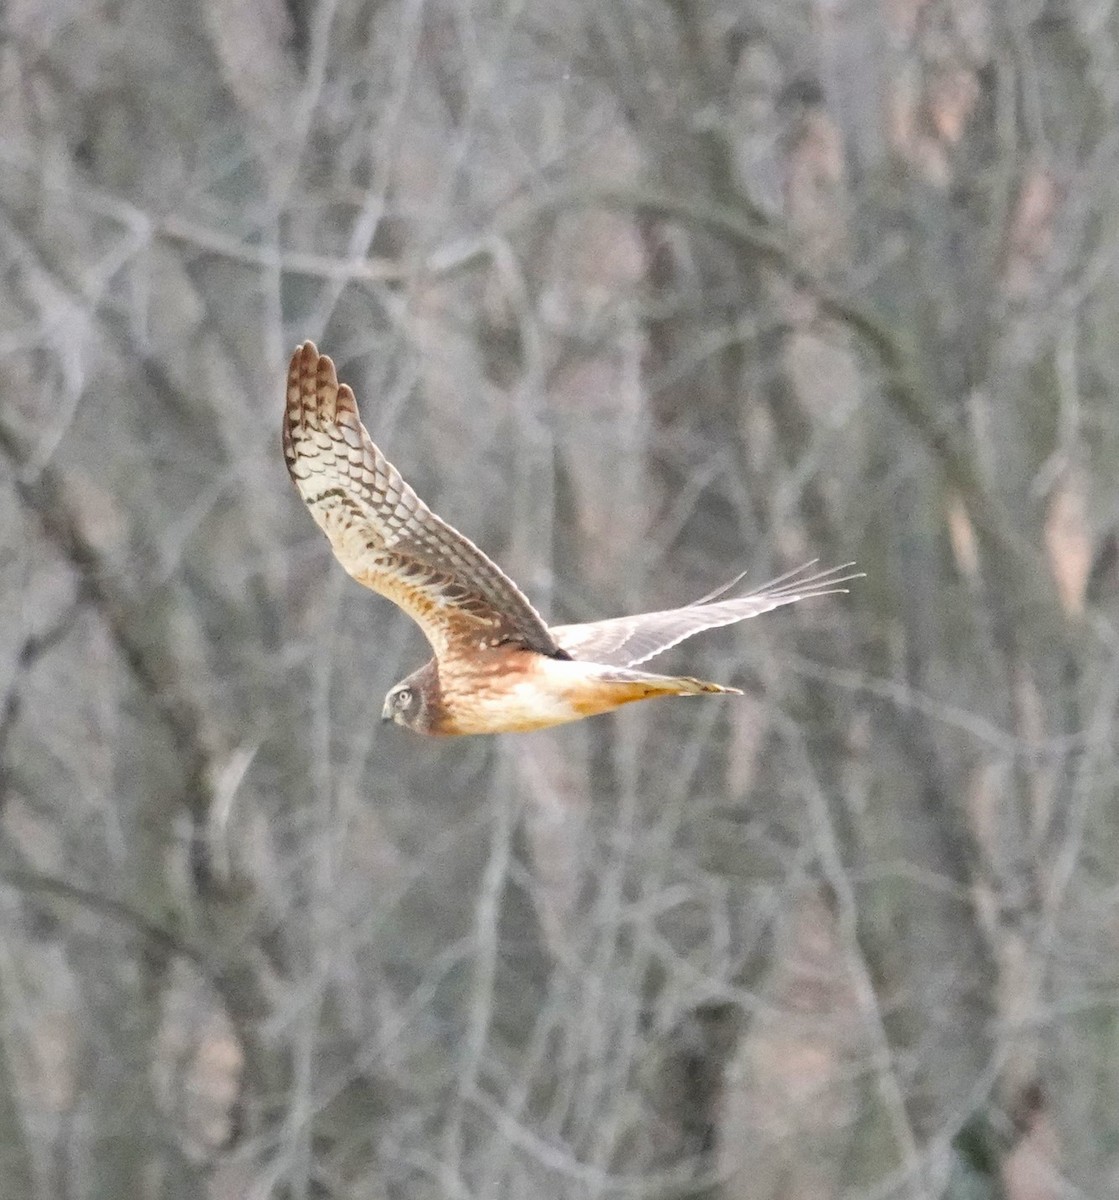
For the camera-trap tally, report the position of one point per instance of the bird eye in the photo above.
(404, 696)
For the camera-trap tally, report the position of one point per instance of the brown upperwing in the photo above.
(383, 533)
(627, 641)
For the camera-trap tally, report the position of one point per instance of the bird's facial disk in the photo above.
(402, 704)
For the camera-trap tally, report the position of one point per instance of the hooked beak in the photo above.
(386, 713)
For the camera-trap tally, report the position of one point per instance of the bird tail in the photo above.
(647, 684)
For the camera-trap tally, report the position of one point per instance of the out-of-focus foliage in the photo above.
(637, 294)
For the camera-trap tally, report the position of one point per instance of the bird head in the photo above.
(411, 702)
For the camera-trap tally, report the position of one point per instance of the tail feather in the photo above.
(694, 687)
(663, 685)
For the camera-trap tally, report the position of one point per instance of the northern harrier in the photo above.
(497, 667)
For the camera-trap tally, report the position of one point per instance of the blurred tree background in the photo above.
(637, 294)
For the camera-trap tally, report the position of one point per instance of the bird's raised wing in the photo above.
(383, 533)
(627, 641)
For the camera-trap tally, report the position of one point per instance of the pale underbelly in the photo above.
(553, 693)
(520, 709)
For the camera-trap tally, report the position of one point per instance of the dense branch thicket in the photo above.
(637, 294)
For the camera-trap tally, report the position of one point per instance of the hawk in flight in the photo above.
(498, 667)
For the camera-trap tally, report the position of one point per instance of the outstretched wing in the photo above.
(627, 641)
(383, 533)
